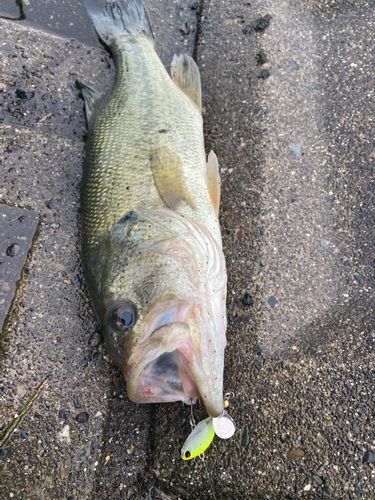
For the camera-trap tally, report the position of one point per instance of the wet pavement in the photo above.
(66, 18)
(17, 230)
(288, 96)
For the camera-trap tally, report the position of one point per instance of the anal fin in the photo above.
(168, 175)
(91, 97)
(185, 74)
(213, 180)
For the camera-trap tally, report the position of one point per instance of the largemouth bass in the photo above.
(151, 243)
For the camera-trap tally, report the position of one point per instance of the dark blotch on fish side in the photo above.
(163, 131)
(132, 215)
(368, 458)
(259, 25)
(13, 250)
(25, 93)
(82, 417)
(247, 300)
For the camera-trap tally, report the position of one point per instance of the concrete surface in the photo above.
(17, 230)
(288, 109)
(66, 18)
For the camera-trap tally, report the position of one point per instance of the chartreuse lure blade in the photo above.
(199, 439)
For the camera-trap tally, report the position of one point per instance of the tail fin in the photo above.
(113, 18)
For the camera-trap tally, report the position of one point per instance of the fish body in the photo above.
(151, 243)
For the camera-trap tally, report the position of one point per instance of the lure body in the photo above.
(199, 439)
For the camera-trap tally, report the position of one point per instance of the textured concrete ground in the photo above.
(17, 231)
(288, 95)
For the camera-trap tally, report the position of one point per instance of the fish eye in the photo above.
(187, 454)
(124, 316)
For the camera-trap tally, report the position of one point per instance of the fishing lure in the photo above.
(198, 440)
(202, 435)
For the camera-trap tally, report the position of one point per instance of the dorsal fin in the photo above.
(213, 180)
(168, 175)
(185, 74)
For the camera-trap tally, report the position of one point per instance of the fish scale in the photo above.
(126, 126)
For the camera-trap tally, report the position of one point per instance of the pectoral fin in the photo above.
(91, 97)
(169, 179)
(185, 74)
(213, 180)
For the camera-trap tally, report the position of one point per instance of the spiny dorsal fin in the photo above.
(185, 74)
(213, 180)
(168, 175)
(91, 97)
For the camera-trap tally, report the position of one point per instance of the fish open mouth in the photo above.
(169, 378)
(167, 368)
